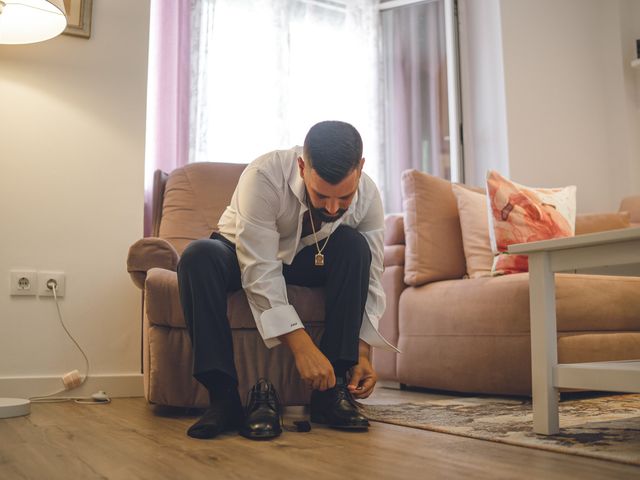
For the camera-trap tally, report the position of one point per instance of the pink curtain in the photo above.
(167, 138)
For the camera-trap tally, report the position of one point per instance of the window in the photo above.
(266, 71)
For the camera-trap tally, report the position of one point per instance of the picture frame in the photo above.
(78, 17)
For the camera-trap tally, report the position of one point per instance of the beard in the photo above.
(321, 213)
(324, 216)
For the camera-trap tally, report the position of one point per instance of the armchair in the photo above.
(187, 204)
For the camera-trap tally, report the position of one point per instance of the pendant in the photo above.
(319, 260)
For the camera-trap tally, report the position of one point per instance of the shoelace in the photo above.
(345, 394)
(264, 396)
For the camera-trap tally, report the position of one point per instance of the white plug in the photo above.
(72, 380)
(47, 281)
(101, 396)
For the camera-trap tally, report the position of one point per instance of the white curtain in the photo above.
(416, 106)
(265, 71)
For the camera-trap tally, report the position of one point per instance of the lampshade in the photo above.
(30, 21)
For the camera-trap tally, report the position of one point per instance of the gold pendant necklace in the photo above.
(319, 257)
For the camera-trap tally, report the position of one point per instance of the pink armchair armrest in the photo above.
(148, 253)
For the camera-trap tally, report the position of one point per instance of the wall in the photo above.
(629, 32)
(572, 107)
(71, 199)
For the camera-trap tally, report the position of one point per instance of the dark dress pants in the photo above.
(208, 271)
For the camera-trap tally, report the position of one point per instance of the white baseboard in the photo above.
(120, 385)
(388, 384)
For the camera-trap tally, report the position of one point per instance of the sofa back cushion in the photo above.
(521, 214)
(472, 208)
(195, 197)
(432, 230)
(474, 222)
(599, 222)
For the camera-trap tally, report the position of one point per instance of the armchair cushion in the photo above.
(195, 197)
(162, 302)
(148, 253)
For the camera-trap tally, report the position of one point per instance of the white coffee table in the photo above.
(614, 247)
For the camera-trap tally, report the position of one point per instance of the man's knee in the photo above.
(201, 252)
(351, 243)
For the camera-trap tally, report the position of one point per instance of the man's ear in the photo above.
(301, 166)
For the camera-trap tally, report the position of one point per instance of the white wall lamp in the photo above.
(30, 21)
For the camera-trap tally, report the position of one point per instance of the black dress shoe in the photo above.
(335, 407)
(262, 413)
(222, 415)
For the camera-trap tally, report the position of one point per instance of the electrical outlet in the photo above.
(23, 282)
(45, 277)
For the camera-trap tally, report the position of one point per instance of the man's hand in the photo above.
(363, 377)
(314, 368)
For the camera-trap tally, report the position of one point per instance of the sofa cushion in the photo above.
(162, 302)
(499, 364)
(500, 305)
(520, 214)
(632, 205)
(432, 230)
(598, 222)
(474, 223)
(195, 197)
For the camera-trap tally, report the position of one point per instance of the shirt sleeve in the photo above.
(372, 228)
(257, 242)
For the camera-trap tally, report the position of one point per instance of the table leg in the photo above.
(544, 343)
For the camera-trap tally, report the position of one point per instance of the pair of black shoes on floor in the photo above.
(262, 418)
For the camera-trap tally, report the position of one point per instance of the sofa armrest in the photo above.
(600, 222)
(394, 255)
(632, 205)
(394, 229)
(148, 253)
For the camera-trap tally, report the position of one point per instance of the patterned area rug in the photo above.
(603, 427)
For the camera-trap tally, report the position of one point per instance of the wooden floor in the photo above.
(128, 440)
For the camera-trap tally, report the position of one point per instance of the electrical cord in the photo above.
(51, 398)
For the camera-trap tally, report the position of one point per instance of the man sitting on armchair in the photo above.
(305, 216)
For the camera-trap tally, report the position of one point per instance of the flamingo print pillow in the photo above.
(519, 214)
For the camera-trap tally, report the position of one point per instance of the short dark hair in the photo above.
(333, 149)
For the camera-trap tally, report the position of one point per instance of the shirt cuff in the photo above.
(369, 334)
(278, 321)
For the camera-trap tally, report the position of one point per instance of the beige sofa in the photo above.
(472, 335)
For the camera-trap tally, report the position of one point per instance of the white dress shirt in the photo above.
(264, 220)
